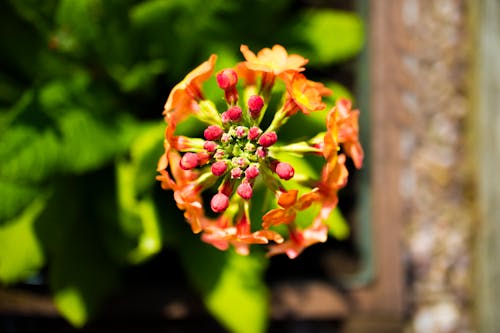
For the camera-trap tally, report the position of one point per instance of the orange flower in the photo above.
(248, 76)
(240, 236)
(187, 91)
(299, 240)
(182, 182)
(348, 131)
(275, 60)
(330, 141)
(333, 178)
(239, 159)
(304, 95)
(289, 207)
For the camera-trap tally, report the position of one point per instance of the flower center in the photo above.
(239, 150)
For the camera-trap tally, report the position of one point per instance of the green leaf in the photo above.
(15, 198)
(232, 286)
(51, 134)
(240, 298)
(21, 255)
(81, 273)
(79, 22)
(140, 76)
(135, 184)
(332, 36)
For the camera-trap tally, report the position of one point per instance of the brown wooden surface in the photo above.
(487, 88)
(385, 295)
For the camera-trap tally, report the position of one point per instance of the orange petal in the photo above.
(288, 198)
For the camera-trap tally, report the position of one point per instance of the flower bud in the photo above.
(210, 146)
(234, 113)
(213, 132)
(268, 139)
(255, 105)
(284, 170)
(252, 172)
(261, 152)
(219, 154)
(225, 138)
(254, 132)
(249, 147)
(241, 161)
(245, 190)
(241, 131)
(219, 202)
(227, 78)
(218, 168)
(189, 161)
(236, 173)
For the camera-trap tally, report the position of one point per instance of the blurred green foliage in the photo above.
(82, 86)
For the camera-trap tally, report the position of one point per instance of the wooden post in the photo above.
(487, 47)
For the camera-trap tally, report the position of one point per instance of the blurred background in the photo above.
(90, 243)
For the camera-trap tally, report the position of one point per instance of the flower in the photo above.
(272, 63)
(220, 235)
(347, 124)
(236, 159)
(190, 88)
(275, 60)
(183, 183)
(183, 98)
(304, 95)
(289, 207)
(299, 240)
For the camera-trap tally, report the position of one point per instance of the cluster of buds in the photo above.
(237, 156)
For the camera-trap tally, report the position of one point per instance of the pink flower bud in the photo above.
(225, 138)
(218, 168)
(219, 202)
(241, 161)
(234, 113)
(227, 78)
(225, 117)
(261, 152)
(284, 170)
(241, 131)
(189, 161)
(219, 154)
(254, 132)
(249, 147)
(252, 172)
(213, 132)
(244, 190)
(255, 105)
(268, 139)
(210, 146)
(236, 173)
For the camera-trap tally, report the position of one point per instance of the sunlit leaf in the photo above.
(240, 298)
(21, 255)
(231, 285)
(135, 183)
(332, 35)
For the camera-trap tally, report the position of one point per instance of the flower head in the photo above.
(237, 159)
